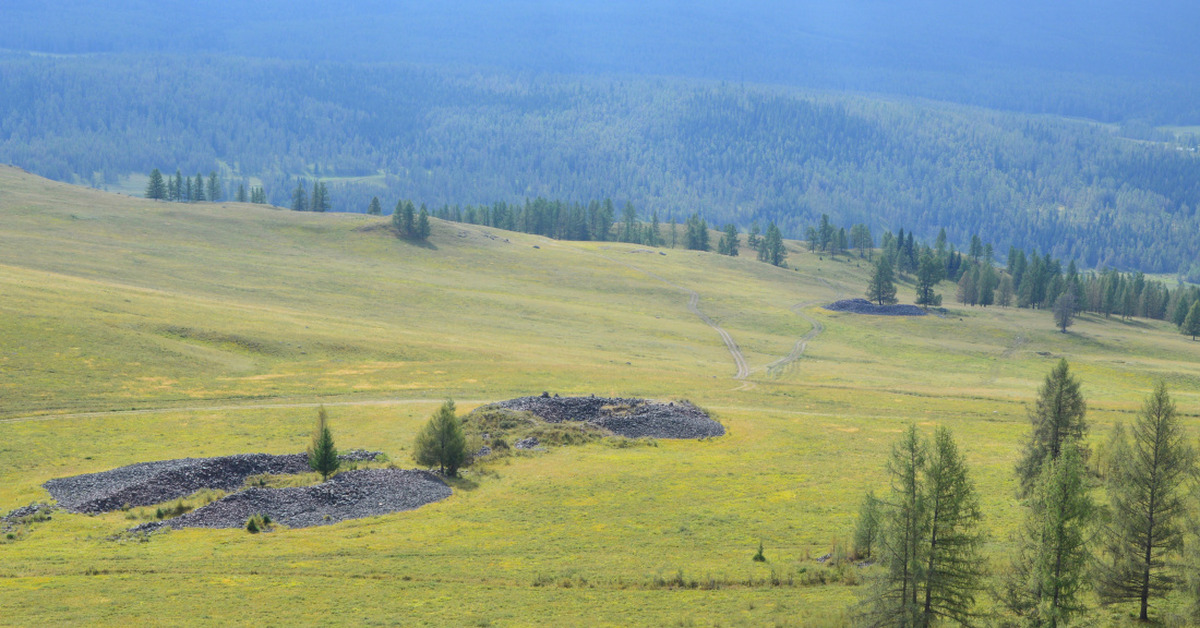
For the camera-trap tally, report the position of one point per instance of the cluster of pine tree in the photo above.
(256, 194)
(833, 240)
(926, 534)
(595, 221)
(183, 189)
(556, 219)
(319, 202)
(407, 222)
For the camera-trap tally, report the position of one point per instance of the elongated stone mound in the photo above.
(629, 417)
(149, 483)
(348, 495)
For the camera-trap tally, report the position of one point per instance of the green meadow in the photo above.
(133, 331)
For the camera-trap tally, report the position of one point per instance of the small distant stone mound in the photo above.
(863, 306)
(629, 417)
(149, 483)
(347, 495)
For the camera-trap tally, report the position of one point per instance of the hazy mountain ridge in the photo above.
(1108, 60)
(731, 153)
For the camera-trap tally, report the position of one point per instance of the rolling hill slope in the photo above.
(132, 330)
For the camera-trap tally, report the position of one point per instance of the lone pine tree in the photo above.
(156, 189)
(322, 453)
(882, 286)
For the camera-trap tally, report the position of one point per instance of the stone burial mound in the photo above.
(347, 495)
(632, 418)
(863, 306)
(149, 483)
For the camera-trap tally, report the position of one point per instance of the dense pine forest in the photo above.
(730, 153)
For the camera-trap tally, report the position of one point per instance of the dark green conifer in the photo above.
(322, 454)
(155, 188)
(882, 286)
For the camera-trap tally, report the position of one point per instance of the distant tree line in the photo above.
(1028, 280)
(184, 189)
(597, 221)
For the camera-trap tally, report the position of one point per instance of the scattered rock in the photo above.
(148, 483)
(348, 495)
(863, 306)
(483, 451)
(825, 558)
(34, 512)
(629, 417)
(527, 443)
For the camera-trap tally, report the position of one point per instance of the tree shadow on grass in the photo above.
(461, 484)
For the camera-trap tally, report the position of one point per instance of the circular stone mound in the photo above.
(629, 417)
(863, 306)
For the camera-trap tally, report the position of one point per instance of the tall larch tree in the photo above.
(1149, 505)
(895, 599)
(1050, 570)
(1058, 418)
(953, 572)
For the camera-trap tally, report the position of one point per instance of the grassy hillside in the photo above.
(132, 331)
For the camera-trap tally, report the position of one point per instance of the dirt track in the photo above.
(739, 359)
(817, 328)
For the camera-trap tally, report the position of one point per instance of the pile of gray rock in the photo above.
(148, 483)
(863, 306)
(347, 495)
(629, 417)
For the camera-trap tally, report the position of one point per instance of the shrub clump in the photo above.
(259, 522)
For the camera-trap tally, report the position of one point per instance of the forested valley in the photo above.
(1078, 191)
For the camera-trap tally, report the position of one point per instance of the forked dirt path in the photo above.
(739, 359)
(817, 328)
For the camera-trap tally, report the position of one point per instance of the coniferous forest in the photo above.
(1079, 191)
